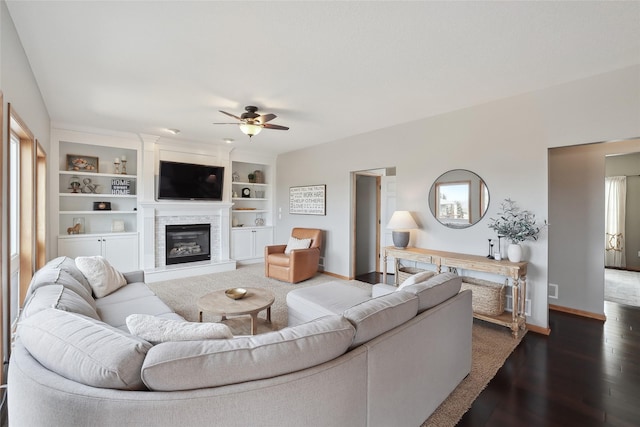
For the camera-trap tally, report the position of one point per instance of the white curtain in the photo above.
(615, 196)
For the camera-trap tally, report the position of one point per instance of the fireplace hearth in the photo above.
(187, 243)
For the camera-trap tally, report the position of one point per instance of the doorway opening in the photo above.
(373, 200)
(622, 229)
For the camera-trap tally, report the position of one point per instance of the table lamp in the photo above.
(401, 222)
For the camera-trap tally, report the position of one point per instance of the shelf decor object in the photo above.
(121, 186)
(308, 200)
(401, 223)
(75, 184)
(101, 206)
(82, 163)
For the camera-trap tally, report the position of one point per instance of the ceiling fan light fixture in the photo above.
(250, 129)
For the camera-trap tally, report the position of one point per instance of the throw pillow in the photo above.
(157, 330)
(417, 278)
(297, 244)
(102, 276)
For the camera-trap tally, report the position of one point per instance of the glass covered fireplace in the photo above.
(187, 243)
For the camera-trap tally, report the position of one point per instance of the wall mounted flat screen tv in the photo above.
(189, 181)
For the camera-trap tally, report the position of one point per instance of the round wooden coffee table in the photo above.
(254, 301)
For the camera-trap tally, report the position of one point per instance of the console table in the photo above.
(516, 271)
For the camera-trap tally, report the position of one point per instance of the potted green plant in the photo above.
(516, 225)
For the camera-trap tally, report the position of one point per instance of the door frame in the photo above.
(378, 173)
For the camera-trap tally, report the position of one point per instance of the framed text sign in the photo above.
(307, 200)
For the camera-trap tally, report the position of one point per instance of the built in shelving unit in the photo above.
(103, 200)
(252, 227)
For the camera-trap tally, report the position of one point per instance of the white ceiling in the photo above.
(329, 70)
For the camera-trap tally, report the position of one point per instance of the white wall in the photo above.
(18, 83)
(505, 142)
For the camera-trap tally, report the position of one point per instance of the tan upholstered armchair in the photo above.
(300, 264)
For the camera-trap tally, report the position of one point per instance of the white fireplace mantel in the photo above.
(179, 212)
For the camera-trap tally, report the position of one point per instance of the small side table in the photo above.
(218, 303)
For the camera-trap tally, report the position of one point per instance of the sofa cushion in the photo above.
(157, 330)
(379, 315)
(295, 243)
(128, 292)
(435, 290)
(57, 296)
(189, 365)
(55, 276)
(84, 350)
(115, 313)
(102, 276)
(68, 265)
(417, 278)
(305, 304)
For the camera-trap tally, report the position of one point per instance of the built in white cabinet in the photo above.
(247, 244)
(121, 250)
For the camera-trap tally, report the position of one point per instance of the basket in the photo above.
(259, 176)
(405, 272)
(488, 298)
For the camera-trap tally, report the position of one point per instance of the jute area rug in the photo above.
(491, 344)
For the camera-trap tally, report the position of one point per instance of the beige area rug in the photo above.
(182, 294)
(491, 344)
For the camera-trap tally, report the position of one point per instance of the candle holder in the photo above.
(490, 256)
(499, 255)
(116, 167)
(124, 166)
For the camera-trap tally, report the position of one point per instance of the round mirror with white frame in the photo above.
(459, 198)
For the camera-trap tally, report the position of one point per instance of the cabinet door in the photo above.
(80, 246)
(121, 252)
(242, 244)
(263, 237)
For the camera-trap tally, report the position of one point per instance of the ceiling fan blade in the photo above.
(266, 118)
(276, 127)
(230, 115)
(226, 124)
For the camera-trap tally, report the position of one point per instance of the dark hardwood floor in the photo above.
(586, 373)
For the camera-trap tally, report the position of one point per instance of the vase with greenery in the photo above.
(517, 225)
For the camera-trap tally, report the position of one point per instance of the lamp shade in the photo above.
(401, 220)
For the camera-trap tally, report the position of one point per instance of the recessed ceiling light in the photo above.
(228, 140)
(174, 131)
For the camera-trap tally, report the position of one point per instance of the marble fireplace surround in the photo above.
(156, 215)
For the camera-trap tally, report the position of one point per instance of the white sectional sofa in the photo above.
(382, 361)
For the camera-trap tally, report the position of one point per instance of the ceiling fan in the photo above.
(252, 123)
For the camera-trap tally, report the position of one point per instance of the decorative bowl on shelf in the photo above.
(236, 293)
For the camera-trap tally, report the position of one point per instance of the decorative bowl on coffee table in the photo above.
(236, 293)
